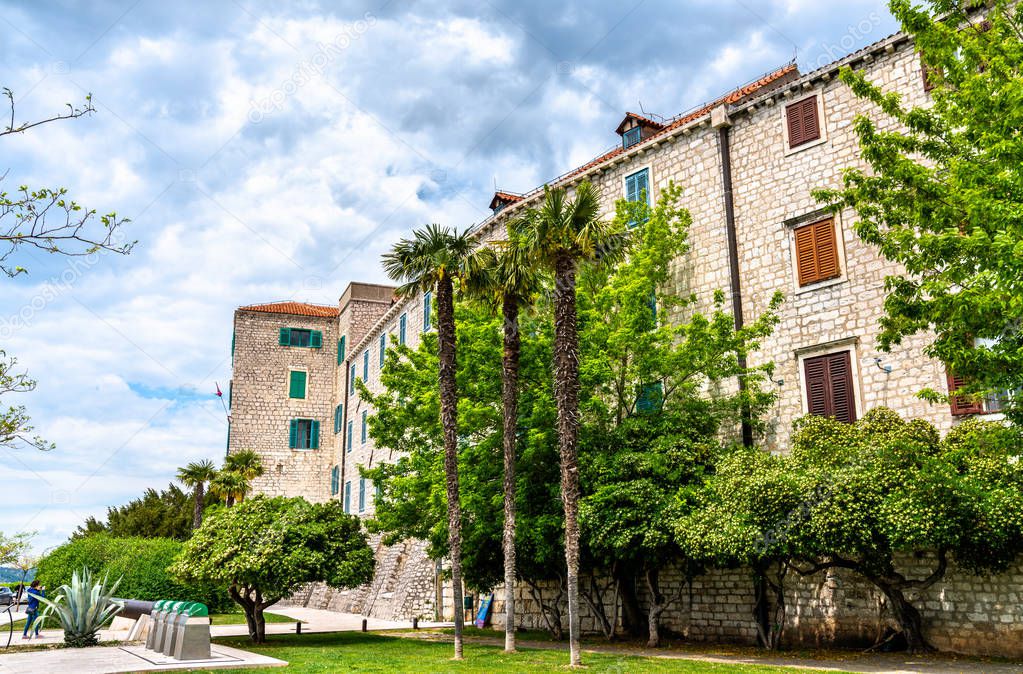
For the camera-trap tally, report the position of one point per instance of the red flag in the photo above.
(220, 394)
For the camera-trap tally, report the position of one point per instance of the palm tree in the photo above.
(563, 233)
(508, 279)
(196, 475)
(432, 259)
(245, 462)
(229, 487)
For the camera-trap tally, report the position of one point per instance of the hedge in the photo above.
(140, 562)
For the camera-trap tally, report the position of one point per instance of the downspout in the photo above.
(720, 121)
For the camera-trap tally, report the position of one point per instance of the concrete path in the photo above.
(116, 660)
(891, 663)
(316, 620)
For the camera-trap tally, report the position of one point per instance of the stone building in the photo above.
(747, 163)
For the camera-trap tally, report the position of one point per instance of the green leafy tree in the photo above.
(564, 234)
(15, 424)
(883, 487)
(231, 484)
(265, 548)
(649, 428)
(942, 193)
(433, 260)
(196, 476)
(157, 514)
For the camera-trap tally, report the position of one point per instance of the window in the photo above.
(365, 365)
(829, 386)
(362, 494)
(931, 76)
(364, 426)
(816, 252)
(304, 434)
(803, 124)
(383, 348)
(401, 328)
(338, 418)
(351, 434)
(348, 496)
(335, 476)
(632, 136)
(637, 186)
(301, 337)
(341, 350)
(427, 305)
(649, 397)
(296, 384)
(351, 381)
(991, 403)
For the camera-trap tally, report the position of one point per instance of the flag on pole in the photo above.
(220, 394)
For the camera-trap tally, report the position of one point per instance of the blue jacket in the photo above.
(33, 598)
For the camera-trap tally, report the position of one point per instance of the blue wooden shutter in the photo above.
(365, 365)
(351, 434)
(285, 337)
(348, 496)
(383, 348)
(314, 434)
(427, 305)
(364, 413)
(335, 475)
(293, 434)
(316, 339)
(401, 328)
(649, 398)
(341, 350)
(362, 494)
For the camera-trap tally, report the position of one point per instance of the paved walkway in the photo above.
(116, 660)
(316, 620)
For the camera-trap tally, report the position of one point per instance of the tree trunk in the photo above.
(449, 422)
(199, 496)
(509, 394)
(632, 614)
(907, 616)
(566, 393)
(242, 598)
(657, 606)
(769, 604)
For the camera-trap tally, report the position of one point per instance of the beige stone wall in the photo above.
(261, 409)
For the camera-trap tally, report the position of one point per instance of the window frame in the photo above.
(383, 348)
(792, 225)
(296, 438)
(851, 345)
(350, 436)
(292, 371)
(402, 327)
(627, 136)
(365, 426)
(822, 127)
(427, 311)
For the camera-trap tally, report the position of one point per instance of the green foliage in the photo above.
(943, 192)
(141, 564)
(163, 514)
(264, 548)
(82, 607)
(15, 424)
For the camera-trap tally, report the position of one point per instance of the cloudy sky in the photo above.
(273, 150)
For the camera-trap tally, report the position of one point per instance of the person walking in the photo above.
(35, 591)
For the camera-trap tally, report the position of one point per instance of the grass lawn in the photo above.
(359, 652)
(239, 618)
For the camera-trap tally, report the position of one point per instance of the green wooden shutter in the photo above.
(364, 426)
(314, 435)
(401, 328)
(316, 339)
(649, 397)
(297, 385)
(293, 434)
(427, 302)
(341, 350)
(383, 348)
(348, 496)
(351, 435)
(362, 494)
(285, 337)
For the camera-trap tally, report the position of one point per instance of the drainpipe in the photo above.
(720, 121)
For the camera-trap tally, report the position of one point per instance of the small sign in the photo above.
(483, 616)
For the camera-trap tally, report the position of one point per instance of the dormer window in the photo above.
(631, 137)
(503, 199)
(635, 128)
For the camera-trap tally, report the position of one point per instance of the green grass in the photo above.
(359, 652)
(239, 618)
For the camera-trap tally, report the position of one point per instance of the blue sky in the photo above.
(274, 150)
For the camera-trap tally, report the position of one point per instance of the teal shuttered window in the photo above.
(649, 398)
(300, 337)
(362, 494)
(335, 477)
(348, 497)
(365, 365)
(304, 434)
(365, 426)
(338, 416)
(351, 434)
(427, 306)
(383, 348)
(402, 323)
(341, 350)
(296, 384)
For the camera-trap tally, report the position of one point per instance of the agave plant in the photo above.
(83, 608)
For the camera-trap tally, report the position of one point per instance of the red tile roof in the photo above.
(643, 121)
(294, 308)
(506, 197)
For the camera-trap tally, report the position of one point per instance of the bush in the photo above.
(140, 562)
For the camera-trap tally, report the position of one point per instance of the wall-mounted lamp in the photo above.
(779, 382)
(887, 369)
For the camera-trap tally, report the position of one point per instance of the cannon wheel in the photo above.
(10, 627)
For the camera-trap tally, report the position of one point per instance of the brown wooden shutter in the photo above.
(826, 249)
(961, 406)
(829, 386)
(816, 252)
(803, 124)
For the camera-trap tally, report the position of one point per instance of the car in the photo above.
(6, 596)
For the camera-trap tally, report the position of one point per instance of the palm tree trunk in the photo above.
(199, 495)
(449, 422)
(566, 394)
(509, 394)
